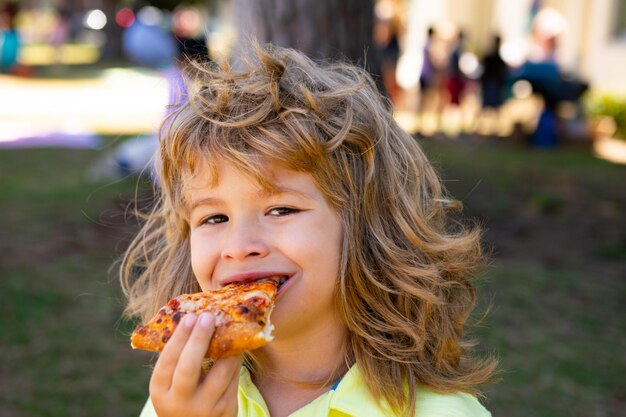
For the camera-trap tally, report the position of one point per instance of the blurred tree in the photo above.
(172, 4)
(319, 28)
(112, 49)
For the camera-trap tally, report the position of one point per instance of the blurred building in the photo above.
(591, 34)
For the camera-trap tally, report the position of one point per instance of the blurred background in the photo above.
(521, 104)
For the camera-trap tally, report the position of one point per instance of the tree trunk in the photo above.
(320, 28)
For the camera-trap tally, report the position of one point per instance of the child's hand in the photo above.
(177, 386)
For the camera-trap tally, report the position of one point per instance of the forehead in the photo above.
(268, 177)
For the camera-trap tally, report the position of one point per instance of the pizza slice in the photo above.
(242, 318)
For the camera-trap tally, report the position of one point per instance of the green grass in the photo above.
(60, 308)
(560, 341)
(556, 285)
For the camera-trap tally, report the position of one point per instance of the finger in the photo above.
(189, 367)
(166, 364)
(227, 403)
(218, 379)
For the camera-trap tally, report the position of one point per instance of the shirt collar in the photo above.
(350, 397)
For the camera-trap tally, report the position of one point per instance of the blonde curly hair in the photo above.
(405, 288)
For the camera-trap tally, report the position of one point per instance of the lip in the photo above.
(251, 276)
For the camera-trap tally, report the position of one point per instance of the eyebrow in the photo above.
(213, 201)
(206, 201)
(277, 190)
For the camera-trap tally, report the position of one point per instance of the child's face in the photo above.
(240, 232)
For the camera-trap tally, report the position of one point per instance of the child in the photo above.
(297, 169)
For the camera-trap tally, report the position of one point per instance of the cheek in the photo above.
(202, 261)
(322, 246)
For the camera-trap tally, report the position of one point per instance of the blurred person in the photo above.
(426, 74)
(543, 72)
(10, 41)
(492, 81)
(427, 79)
(266, 172)
(387, 39)
(455, 79)
(431, 81)
(494, 76)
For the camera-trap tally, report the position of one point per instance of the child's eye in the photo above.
(218, 218)
(282, 211)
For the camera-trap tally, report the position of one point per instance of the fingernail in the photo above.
(189, 320)
(206, 319)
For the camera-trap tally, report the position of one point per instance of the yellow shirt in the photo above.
(352, 399)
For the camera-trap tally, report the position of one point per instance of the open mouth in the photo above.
(281, 280)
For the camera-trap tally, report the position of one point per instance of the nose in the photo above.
(244, 240)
